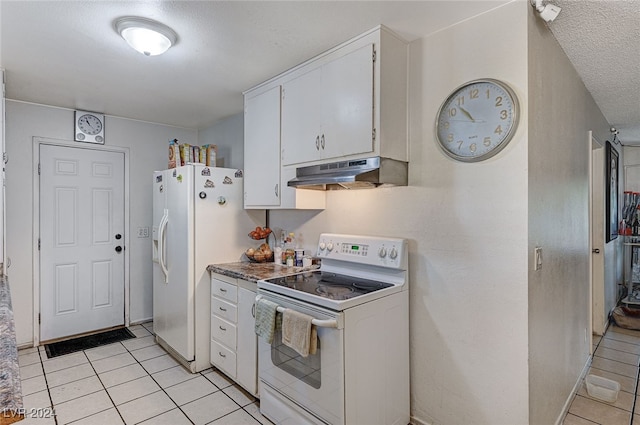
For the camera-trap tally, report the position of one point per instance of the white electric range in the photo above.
(359, 300)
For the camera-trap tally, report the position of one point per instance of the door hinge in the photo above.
(373, 134)
(39, 319)
(374, 56)
(38, 244)
(38, 168)
(283, 93)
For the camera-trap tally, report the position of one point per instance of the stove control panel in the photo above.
(372, 250)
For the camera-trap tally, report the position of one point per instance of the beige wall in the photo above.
(561, 112)
(147, 144)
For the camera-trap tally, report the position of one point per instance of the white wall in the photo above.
(228, 135)
(147, 143)
(561, 113)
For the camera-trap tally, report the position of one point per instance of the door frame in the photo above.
(593, 144)
(37, 142)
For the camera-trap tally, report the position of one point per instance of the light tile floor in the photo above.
(129, 382)
(616, 356)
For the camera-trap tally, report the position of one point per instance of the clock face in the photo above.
(89, 127)
(477, 120)
(90, 124)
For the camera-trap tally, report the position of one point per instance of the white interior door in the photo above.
(81, 240)
(597, 202)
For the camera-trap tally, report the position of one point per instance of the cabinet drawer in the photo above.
(223, 331)
(224, 309)
(223, 358)
(224, 290)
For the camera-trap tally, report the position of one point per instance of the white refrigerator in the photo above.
(198, 219)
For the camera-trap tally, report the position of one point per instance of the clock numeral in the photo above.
(487, 141)
(453, 112)
(473, 93)
(498, 130)
(488, 93)
(460, 142)
(498, 101)
(450, 137)
(472, 147)
(446, 125)
(503, 114)
(460, 100)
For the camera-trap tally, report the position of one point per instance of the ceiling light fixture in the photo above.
(548, 12)
(146, 35)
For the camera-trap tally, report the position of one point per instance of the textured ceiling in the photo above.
(66, 53)
(602, 40)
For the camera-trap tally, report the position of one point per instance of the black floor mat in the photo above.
(85, 342)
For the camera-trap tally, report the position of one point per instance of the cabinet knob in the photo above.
(595, 251)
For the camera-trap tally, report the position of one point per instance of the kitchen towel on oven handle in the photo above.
(298, 332)
(265, 318)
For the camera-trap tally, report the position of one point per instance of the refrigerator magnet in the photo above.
(227, 180)
(238, 174)
(206, 171)
(209, 183)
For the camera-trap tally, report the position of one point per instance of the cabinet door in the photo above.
(262, 149)
(347, 109)
(301, 121)
(247, 342)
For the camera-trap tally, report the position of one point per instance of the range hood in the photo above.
(354, 174)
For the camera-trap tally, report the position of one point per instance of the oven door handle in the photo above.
(330, 323)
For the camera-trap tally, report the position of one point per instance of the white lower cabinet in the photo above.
(234, 344)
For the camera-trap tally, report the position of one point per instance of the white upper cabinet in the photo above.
(262, 149)
(328, 112)
(347, 103)
(265, 181)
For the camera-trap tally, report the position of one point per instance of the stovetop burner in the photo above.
(335, 292)
(329, 285)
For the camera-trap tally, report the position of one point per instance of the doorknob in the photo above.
(595, 251)
(118, 236)
(118, 248)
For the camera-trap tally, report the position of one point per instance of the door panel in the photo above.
(81, 210)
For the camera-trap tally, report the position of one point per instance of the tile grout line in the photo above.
(163, 389)
(46, 382)
(158, 384)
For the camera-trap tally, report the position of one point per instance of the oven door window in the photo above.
(305, 369)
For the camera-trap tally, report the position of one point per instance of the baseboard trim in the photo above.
(576, 387)
(416, 421)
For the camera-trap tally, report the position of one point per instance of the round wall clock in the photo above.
(477, 120)
(89, 127)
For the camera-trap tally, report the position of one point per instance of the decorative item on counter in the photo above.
(263, 253)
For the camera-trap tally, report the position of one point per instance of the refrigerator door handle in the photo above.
(163, 225)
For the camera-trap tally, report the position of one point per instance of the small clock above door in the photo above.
(89, 127)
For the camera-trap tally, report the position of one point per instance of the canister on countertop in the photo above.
(299, 253)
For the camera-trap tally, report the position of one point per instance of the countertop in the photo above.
(11, 407)
(254, 272)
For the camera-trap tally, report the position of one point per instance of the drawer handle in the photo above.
(223, 290)
(222, 309)
(317, 143)
(253, 310)
(222, 355)
(322, 142)
(222, 329)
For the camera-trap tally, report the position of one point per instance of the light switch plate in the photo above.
(537, 258)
